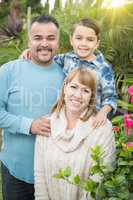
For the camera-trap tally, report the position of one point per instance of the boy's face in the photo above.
(84, 42)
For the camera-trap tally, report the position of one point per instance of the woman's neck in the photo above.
(71, 119)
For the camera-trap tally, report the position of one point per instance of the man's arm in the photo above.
(16, 124)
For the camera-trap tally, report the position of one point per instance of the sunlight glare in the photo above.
(117, 3)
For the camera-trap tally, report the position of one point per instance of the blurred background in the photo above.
(114, 16)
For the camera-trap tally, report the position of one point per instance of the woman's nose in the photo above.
(78, 93)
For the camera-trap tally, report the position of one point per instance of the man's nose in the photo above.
(44, 42)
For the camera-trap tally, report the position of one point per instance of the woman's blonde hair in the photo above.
(85, 77)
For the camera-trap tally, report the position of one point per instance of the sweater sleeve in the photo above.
(8, 121)
(41, 192)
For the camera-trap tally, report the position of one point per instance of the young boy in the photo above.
(85, 39)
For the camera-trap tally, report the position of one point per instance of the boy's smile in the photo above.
(84, 42)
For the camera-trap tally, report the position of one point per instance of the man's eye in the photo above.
(78, 38)
(37, 38)
(51, 38)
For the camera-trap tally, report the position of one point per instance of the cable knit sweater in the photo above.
(68, 148)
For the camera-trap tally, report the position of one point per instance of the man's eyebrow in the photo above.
(52, 35)
(36, 35)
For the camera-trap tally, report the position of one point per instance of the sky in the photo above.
(110, 3)
(51, 2)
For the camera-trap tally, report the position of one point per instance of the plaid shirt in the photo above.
(106, 93)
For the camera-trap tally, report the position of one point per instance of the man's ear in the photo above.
(29, 42)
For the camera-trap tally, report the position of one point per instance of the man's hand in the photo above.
(25, 54)
(41, 126)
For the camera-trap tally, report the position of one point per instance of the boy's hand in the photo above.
(25, 54)
(100, 119)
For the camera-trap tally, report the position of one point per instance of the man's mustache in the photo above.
(44, 48)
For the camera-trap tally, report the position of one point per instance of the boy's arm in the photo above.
(108, 97)
(59, 59)
(108, 93)
(101, 117)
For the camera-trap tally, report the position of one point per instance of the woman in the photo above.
(72, 137)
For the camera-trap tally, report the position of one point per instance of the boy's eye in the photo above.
(91, 39)
(78, 38)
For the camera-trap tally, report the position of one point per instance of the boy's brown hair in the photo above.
(87, 22)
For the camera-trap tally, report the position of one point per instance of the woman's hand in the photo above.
(25, 54)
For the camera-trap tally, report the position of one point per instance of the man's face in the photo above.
(43, 42)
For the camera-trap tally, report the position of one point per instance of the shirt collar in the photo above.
(98, 61)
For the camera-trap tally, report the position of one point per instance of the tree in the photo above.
(46, 8)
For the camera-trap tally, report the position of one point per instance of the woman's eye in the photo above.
(73, 86)
(87, 91)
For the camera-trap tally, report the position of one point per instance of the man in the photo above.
(28, 91)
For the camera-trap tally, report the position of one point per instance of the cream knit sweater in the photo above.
(68, 148)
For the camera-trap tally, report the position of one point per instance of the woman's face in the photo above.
(77, 96)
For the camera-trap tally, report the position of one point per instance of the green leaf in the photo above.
(89, 185)
(123, 194)
(120, 179)
(59, 175)
(123, 163)
(95, 169)
(113, 198)
(67, 172)
(76, 180)
(130, 163)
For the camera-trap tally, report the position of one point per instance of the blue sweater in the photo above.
(27, 91)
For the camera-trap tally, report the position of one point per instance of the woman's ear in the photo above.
(64, 88)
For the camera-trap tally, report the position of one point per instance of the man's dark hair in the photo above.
(45, 19)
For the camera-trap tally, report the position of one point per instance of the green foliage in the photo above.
(117, 182)
(116, 27)
(12, 48)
